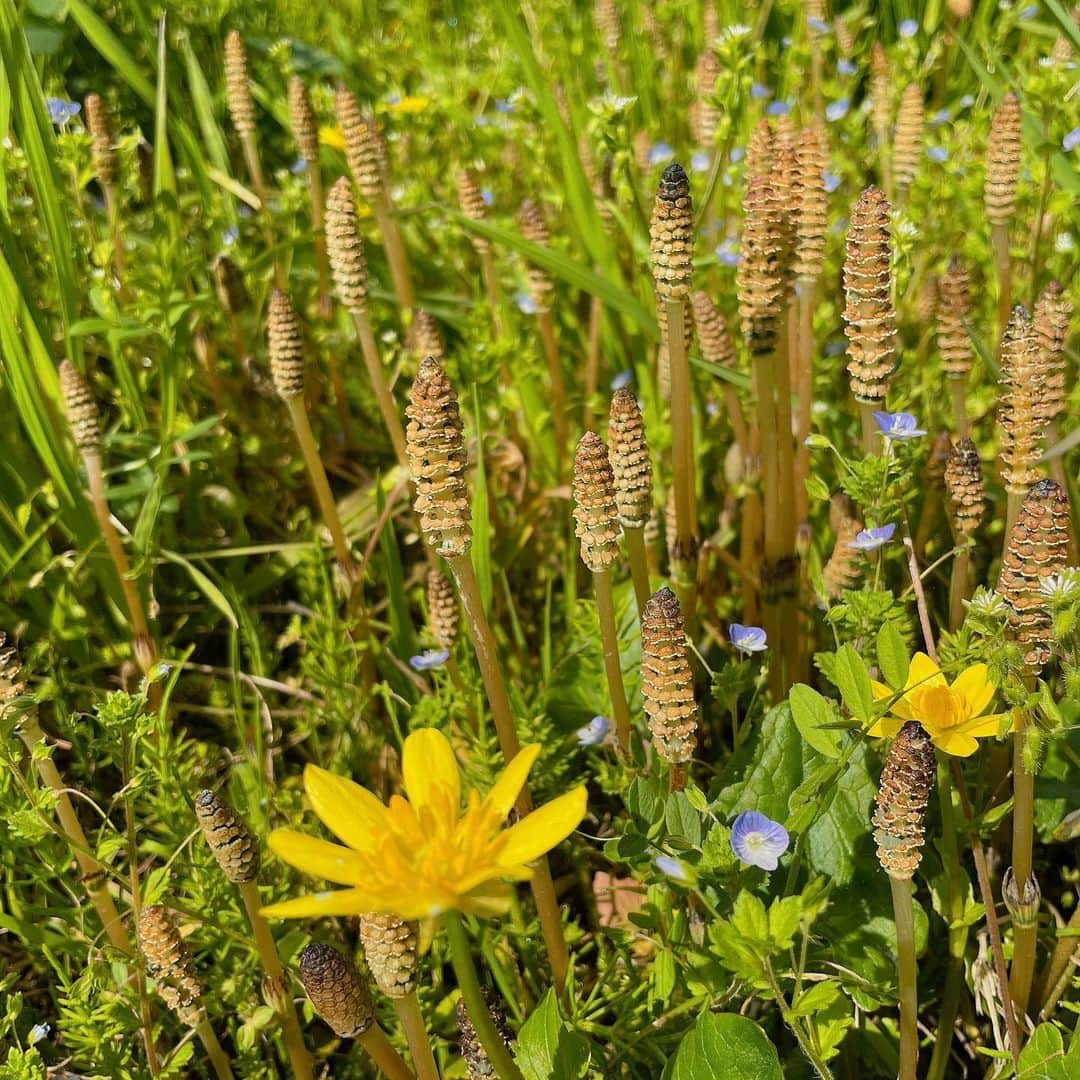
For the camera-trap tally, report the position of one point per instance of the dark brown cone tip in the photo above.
(337, 990)
(233, 845)
(900, 806)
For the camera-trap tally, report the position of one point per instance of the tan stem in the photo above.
(677, 776)
(592, 359)
(112, 210)
(218, 1058)
(903, 911)
(394, 247)
(639, 565)
(412, 1023)
(380, 387)
(1024, 931)
(499, 702)
(958, 587)
(685, 557)
(378, 1048)
(254, 167)
(299, 1058)
(556, 385)
(804, 386)
(999, 240)
(320, 485)
(91, 871)
(605, 607)
(869, 427)
(318, 228)
(1052, 981)
(491, 287)
(959, 401)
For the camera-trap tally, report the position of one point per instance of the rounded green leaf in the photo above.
(724, 1046)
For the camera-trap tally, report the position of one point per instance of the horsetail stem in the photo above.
(104, 159)
(534, 229)
(474, 208)
(869, 317)
(1037, 547)
(365, 154)
(390, 948)
(632, 469)
(346, 251)
(954, 343)
(999, 195)
(82, 416)
(340, 995)
(881, 113)
(170, 964)
(900, 810)
(287, 371)
(667, 684)
(437, 461)
(305, 128)
(966, 504)
(597, 527)
(237, 853)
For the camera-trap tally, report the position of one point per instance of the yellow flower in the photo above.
(410, 105)
(332, 137)
(421, 856)
(952, 715)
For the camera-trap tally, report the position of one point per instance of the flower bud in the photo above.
(444, 616)
(964, 488)
(953, 312)
(237, 88)
(102, 147)
(907, 141)
(900, 806)
(169, 963)
(345, 248)
(304, 125)
(363, 148)
(337, 990)
(1003, 161)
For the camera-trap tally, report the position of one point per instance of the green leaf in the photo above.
(892, 656)
(547, 1049)
(816, 488)
(1044, 1057)
(853, 682)
(682, 820)
(813, 715)
(724, 1046)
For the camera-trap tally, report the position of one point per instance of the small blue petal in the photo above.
(487, 196)
(503, 106)
(908, 28)
(836, 347)
(938, 154)
(942, 116)
(728, 251)
(526, 303)
(758, 841)
(429, 660)
(837, 110)
(832, 182)
(820, 25)
(230, 235)
(660, 152)
(967, 101)
(777, 108)
(1071, 141)
(672, 867)
(624, 378)
(845, 67)
(872, 539)
(737, 154)
(298, 166)
(594, 732)
(899, 425)
(747, 639)
(700, 162)
(760, 91)
(1030, 11)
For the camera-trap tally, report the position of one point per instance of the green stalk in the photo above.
(904, 913)
(379, 1049)
(999, 241)
(1025, 930)
(395, 252)
(379, 386)
(869, 427)
(639, 565)
(412, 1023)
(959, 400)
(491, 287)
(469, 985)
(218, 1058)
(605, 607)
(682, 463)
(556, 386)
(1053, 980)
(795, 1025)
(958, 585)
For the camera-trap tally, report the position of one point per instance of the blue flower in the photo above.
(503, 106)
(836, 346)
(230, 235)
(1071, 141)
(483, 121)
(845, 67)
(820, 25)
(737, 154)
(37, 1033)
(700, 162)
(872, 539)
(747, 639)
(61, 110)
(672, 867)
(760, 91)
(727, 251)
(937, 153)
(899, 425)
(778, 108)
(298, 166)
(429, 660)
(942, 116)
(594, 732)
(526, 304)
(832, 182)
(1030, 11)
(660, 152)
(487, 196)
(758, 840)
(908, 28)
(837, 110)
(967, 101)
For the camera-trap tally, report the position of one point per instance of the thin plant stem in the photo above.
(236, 328)
(218, 1058)
(639, 565)
(605, 608)
(917, 589)
(491, 287)
(927, 520)
(677, 776)
(250, 147)
(785, 659)
(318, 228)
(869, 427)
(592, 360)
(1052, 982)
(904, 914)
(543, 888)
(682, 462)
(804, 387)
(1012, 512)
(959, 402)
(91, 872)
(112, 211)
(958, 586)
(556, 385)
(384, 399)
(793, 1022)
(764, 379)
(395, 253)
(143, 644)
(412, 1023)
(469, 985)
(1025, 931)
(299, 1058)
(999, 241)
(1036, 235)
(317, 475)
(986, 894)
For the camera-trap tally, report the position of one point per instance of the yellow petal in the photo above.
(886, 728)
(542, 829)
(923, 672)
(975, 687)
(981, 727)
(511, 780)
(487, 902)
(428, 766)
(954, 744)
(313, 856)
(881, 691)
(336, 902)
(899, 707)
(349, 811)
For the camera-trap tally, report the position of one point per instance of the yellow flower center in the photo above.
(939, 707)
